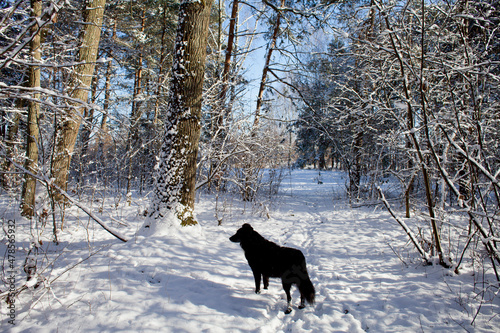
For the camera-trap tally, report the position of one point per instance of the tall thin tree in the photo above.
(33, 134)
(272, 46)
(68, 126)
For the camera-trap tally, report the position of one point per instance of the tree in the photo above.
(68, 127)
(271, 47)
(31, 163)
(175, 181)
(229, 54)
(431, 71)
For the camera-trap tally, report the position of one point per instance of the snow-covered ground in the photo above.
(196, 280)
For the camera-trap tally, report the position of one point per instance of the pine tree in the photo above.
(68, 127)
(176, 170)
(31, 164)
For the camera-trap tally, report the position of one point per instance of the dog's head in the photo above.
(243, 233)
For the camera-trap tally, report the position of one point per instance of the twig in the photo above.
(397, 254)
(79, 262)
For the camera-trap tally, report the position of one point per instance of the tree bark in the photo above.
(68, 126)
(176, 170)
(163, 57)
(33, 134)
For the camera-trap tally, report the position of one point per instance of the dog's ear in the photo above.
(247, 226)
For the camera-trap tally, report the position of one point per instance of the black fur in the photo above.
(271, 260)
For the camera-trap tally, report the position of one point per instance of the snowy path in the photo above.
(198, 281)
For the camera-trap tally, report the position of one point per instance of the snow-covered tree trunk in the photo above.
(67, 128)
(176, 168)
(6, 177)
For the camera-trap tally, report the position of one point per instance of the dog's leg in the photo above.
(302, 298)
(266, 281)
(286, 287)
(302, 301)
(256, 276)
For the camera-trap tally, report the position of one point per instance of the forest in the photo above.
(163, 101)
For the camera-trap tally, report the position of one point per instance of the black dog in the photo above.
(271, 260)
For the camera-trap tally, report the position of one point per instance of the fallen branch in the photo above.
(410, 234)
(50, 184)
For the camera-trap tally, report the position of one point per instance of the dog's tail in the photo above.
(306, 287)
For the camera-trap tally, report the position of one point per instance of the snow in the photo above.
(196, 280)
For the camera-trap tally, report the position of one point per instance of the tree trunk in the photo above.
(416, 144)
(31, 163)
(161, 76)
(85, 135)
(176, 170)
(10, 147)
(107, 98)
(263, 80)
(229, 53)
(427, 182)
(68, 126)
(107, 90)
(355, 172)
(135, 116)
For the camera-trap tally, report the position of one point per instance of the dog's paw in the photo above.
(301, 306)
(257, 291)
(288, 310)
